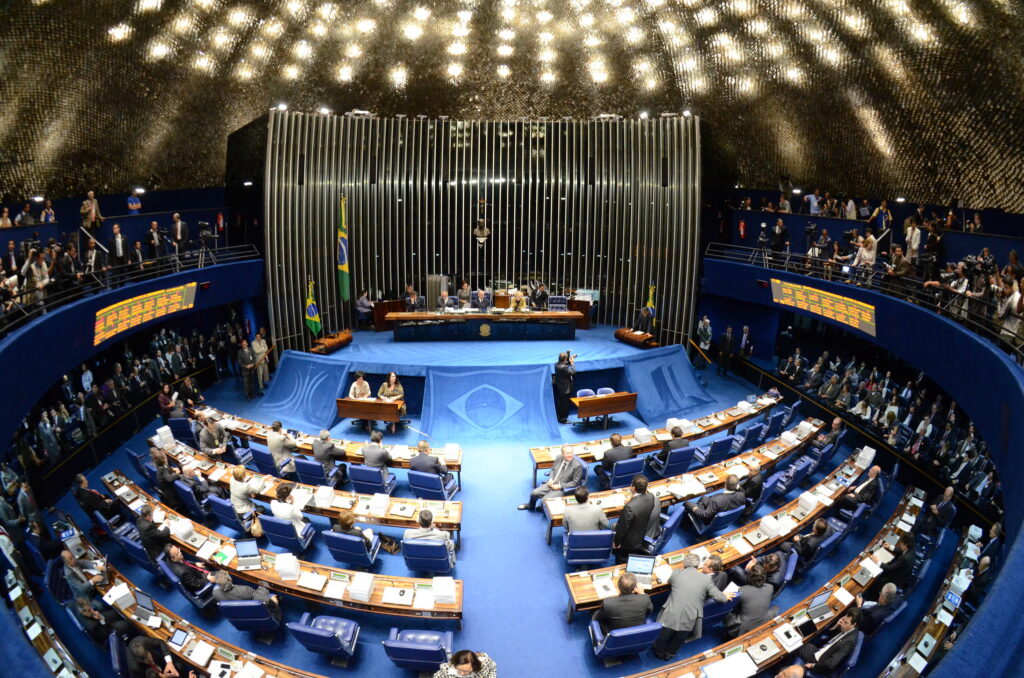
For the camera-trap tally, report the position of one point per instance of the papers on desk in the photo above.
(218, 669)
(788, 637)
(225, 555)
(662, 437)
(26, 616)
(701, 552)
(33, 631)
(738, 665)
(787, 525)
(741, 545)
(917, 662)
(250, 670)
(663, 572)
(335, 589)
(121, 491)
(52, 659)
(216, 474)
(323, 496)
(688, 486)
(556, 506)
(15, 593)
(613, 500)
(904, 526)
(207, 551)
(342, 501)
(64, 673)
(843, 596)
(379, 505)
(154, 621)
(403, 510)
(599, 452)
(606, 588)
(400, 452)
(871, 566)
(312, 581)
(926, 645)
(138, 504)
(916, 501)
(424, 598)
(395, 595)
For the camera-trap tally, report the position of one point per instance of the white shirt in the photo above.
(287, 511)
(851, 210)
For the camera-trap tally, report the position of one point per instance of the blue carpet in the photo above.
(514, 583)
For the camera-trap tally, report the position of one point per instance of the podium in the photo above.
(642, 340)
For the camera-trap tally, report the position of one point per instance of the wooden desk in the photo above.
(381, 310)
(115, 480)
(371, 410)
(402, 512)
(47, 643)
(641, 340)
(671, 490)
(603, 405)
(172, 622)
(843, 579)
(930, 625)
(332, 342)
(726, 420)
(476, 326)
(252, 431)
(583, 594)
(584, 308)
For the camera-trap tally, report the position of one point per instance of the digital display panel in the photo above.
(123, 316)
(845, 310)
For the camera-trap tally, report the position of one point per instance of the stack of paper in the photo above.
(400, 452)
(788, 438)
(606, 588)
(342, 501)
(287, 566)
(361, 586)
(335, 589)
(324, 496)
(379, 504)
(207, 550)
(312, 580)
(403, 510)
(738, 665)
(663, 572)
(250, 670)
(556, 506)
(424, 599)
(770, 525)
(787, 524)
(741, 545)
(871, 566)
(444, 590)
(843, 596)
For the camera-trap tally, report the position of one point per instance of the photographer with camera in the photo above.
(954, 284)
(897, 270)
(934, 250)
(36, 274)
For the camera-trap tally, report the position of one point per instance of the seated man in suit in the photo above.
(806, 545)
(709, 506)
(151, 658)
(374, 453)
(980, 581)
(753, 484)
(444, 301)
(772, 566)
(539, 298)
(864, 493)
(192, 576)
(226, 589)
(99, 624)
(643, 321)
(898, 570)
(154, 537)
(213, 439)
(937, 515)
(617, 452)
(629, 608)
(480, 301)
(327, 453)
(203, 489)
(675, 443)
(874, 614)
(566, 471)
(583, 516)
(91, 500)
(425, 462)
(281, 446)
(631, 528)
(82, 583)
(414, 303)
(825, 659)
(824, 439)
(427, 532)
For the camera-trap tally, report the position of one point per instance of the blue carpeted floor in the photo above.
(514, 584)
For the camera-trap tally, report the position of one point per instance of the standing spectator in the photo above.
(259, 346)
(153, 241)
(812, 200)
(90, 213)
(179, 233)
(25, 217)
(134, 204)
(631, 528)
(784, 203)
(726, 345)
(247, 363)
(704, 336)
(47, 216)
(5, 219)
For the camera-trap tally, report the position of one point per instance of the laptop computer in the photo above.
(642, 567)
(144, 609)
(248, 554)
(819, 606)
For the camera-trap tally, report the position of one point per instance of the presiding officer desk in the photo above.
(132, 496)
(253, 431)
(170, 622)
(457, 325)
(696, 483)
(794, 625)
(591, 451)
(589, 587)
(940, 615)
(401, 512)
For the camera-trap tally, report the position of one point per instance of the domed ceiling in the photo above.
(920, 98)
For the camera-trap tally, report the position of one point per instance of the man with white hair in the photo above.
(874, 614)
(567, 472)
(327, 453)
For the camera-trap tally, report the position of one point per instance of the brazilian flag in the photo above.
(312, 312)
(650, 305)
(343, 272)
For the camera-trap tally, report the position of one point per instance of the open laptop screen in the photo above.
(247, 548)
(640, 565)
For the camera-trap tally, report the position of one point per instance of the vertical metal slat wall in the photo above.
(611, 205)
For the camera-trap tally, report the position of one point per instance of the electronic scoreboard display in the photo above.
(122, 316)
(845, 310)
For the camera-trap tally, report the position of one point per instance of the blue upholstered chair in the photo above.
(723, 519)
(139, 464)
(422, 650)
(789, 571)
(133, 547)
(350, 549)
(432, 486)
(715, 452)
(70, 610)
(117, 528)
(767, 491)
(587, 547)
(892, 615)
(198, 510)
(793, 476)
(282, 533)
(824, 550)
(328, 635)
(425, 555)
(669, 524)
(791, 413)
(202, 599)
(118, 656)
(181, 429)
(371, 480)
(150, 468)
(35, 556)
(312, 473)
(676, 462)
(264, 461)
(585, 393)
(251, 615)
(750, 437)
(846, 523)
(624, 470)
(774, 429)
(557, 303)
(622, 642)
(56, 584)
(715, 612)
(604, 390)
(226, 514)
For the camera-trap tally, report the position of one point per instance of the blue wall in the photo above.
(37, 355)
(989, 387)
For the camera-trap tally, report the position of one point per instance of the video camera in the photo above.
(810, 230)
(762, 238)
(207, 235)
(851, 235)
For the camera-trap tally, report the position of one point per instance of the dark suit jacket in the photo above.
(753, 608)
(623, 611)
(836, 654)
(191, 578)
(752, 486)
(126, 248)
(157, 648)
(617, 453)
(427, 463)
(809, 543)
(632, 525)
(419, 305)
(897, 570)
(451, 302)
(153, 536)
(93, 501)
(710, 506)
(564, 372)
(870, 492)
(726, 343)
(872, 617)
(479, 305)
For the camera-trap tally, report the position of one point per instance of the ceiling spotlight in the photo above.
(796, 191)
(901, 199)
(119, 32)
(506, 34)
(464, 16)
(282, 106)
(327, 10)
(421, 13)
(148, 5)
(457, 48)
(138, 189)
(587, 20)
(247, 183)
(544, 16)
(37, 198)
(295, 7)
(454, 70)
(508, 14)
(686, 113)
(399, 76)
(345, 73)
(505, 50)
(460, 31)
(273, 28)
(318, 29)
(412, 31)
(504, 71)
(547, 56)
(547, 76)
(302, 50)
(353, 51)
(238, 16)
(158, 50)
(366, 25)
(203, 62)
(243, 72)
(291, 71)
(183, 23)
(323, 110)
(643, 115)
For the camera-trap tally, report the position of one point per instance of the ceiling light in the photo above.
(457, 48)
(345, 73)
(247, 183)
(366, 25)
(591, 40)
(454, 70)
(221, 39)
(39, 198)
(148, 5)
(302, 49)
(643, 115)
(504, 71)
(460, 31)
(353, 51)
(505, 50)
(508, 14)
(158, 50)
(547, 76)
(545, 37)
(243, 72)
(282, 106)
(183, 23)
(464, 15)
(796, 191)
(686, 113)
(119, 32)
(399, 76)
(323, 110)
(291, 71)
(547, 56)
(258, 50)
(707, 17)
(901, 199)
(412, 31)
(421, 13)
(295, 7)
(205, 4)
(238, 16)
(587, 20)
(318, 29)
(544, 16)
(273, 27)
(506, 34)
(327, 10)
(203, 62)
